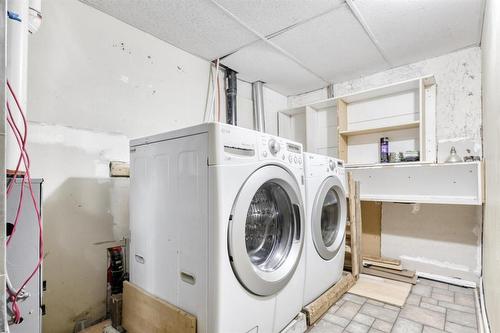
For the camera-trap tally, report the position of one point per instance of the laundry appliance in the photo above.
(326, 211)
(217, 225)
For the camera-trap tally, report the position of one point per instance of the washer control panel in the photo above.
(281, 149)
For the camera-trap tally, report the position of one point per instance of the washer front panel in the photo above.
(266, 230)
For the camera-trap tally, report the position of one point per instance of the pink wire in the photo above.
(20, 205)
(25, 158)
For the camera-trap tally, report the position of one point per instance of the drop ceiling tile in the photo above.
(270, 16)
(196, 26)
(333, 45)
(262, 62)
(412, 30)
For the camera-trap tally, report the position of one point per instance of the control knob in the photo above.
(332, 165)
(274, 146)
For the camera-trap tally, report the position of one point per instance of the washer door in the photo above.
(329, 216)
(266, 231)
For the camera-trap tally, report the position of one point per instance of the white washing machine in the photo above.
(217, 225)
(326, 212)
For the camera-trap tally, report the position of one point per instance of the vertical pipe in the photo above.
(3, 201)
(258, 106)
(17, 66)
(231, 91)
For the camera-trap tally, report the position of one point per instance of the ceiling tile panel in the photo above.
(196, 26)
(333, 45)
(412, 30)
(260, 61)
(270, 16)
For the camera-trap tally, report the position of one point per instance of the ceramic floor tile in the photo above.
(423, 316)
(379, 312)
(355, 327)
(461, 318)
(382, 326)
(348, 310)
(406, 326)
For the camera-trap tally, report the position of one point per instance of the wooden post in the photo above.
(359, 226)
(355, 265)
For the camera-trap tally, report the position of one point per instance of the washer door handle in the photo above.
(296, 215)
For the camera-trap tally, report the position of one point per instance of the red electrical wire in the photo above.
(21, 141)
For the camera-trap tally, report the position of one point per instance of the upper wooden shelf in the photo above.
(413, 124)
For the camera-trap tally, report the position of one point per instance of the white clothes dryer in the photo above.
(326, 212)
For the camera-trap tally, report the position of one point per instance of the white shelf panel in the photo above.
(457, 183)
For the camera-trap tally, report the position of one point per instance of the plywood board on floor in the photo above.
(380, 289)
(143, 312)
(98, 328)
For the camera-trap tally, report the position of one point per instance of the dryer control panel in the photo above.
(321, 166)
(275, 148)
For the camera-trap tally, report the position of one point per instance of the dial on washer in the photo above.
(274, 146)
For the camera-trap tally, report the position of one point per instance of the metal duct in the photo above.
(231, 92)
(259, 119)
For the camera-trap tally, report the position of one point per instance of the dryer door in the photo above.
(328, 220)
(266, 230)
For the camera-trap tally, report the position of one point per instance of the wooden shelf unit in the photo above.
(404, 112)
(350, 126)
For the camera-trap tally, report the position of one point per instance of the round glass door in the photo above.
(265, 233)
(270, 227)
(329, 218)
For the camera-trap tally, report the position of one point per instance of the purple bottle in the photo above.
(384, 150)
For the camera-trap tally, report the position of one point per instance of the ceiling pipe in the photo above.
(231, 92)
(259, 119)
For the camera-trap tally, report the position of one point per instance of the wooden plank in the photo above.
(404, 272)
(384, 260)
(359, 226)
(119, 169)
(390, 276)
(381, 264)
(98, 328)
(371, 214)
(352, 217)
(342, 126)
(320, 306)
(143, 312)
(380, 289)
(411, 124)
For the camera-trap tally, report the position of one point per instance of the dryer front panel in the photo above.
(266, 230)
(329, 216)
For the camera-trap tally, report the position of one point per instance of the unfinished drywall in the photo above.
(491, 111)
(436, 239)
(458, 78)
(81, 217)
(94, 83)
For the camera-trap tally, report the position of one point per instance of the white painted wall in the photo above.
(95, 82)
(491, 112)
(447, 241)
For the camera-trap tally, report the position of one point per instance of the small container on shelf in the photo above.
(384, 150)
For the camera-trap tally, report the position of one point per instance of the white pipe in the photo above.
(16, 73)
(35, 15)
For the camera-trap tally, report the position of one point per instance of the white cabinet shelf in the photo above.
(350, 126)
(453, 183)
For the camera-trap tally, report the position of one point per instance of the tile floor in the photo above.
(431, 307)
